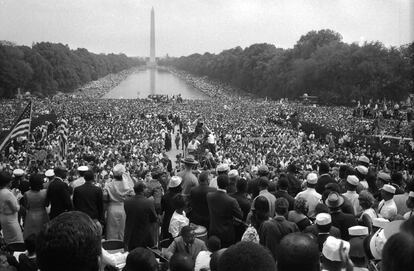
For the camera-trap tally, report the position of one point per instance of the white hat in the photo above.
(358, 231)
(254, 169)
(362, 169)
(50, 173)
(379, 222)
(119, 169)
(233, 173)
(377, 241)
(223, 168)
(352, 179)
(174, 181)
(389, 188)
(411, 194)
(312, 178)
(83, 168)
(363, 159)
(332, 246)
(323, 219)
(384, 176)
(18, 172)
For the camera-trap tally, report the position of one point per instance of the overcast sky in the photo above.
(184, 27)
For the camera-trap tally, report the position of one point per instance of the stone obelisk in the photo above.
(152, 61)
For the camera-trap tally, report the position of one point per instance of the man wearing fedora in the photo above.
(339, 219)
(189, 179)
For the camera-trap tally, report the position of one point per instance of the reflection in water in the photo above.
(152, 81)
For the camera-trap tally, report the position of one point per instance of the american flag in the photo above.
(63, 137)
(21, 127)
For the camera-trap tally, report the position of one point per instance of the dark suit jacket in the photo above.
(294, 184)
(343, 222)
(285, 194)
(322, 181)
(222, 208)
(320, 236)
(88, 198)
(198, 202)
(139, 228)
(244, 203)
(272, 231)
(59, 197)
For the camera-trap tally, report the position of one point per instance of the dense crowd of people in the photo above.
(247, 180)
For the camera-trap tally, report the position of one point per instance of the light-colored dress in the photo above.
(117, 192)
(36, 215)
(8, 217)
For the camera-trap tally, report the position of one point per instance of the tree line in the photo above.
(319, 64)
(48, 67)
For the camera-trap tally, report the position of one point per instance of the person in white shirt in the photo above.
(310, 194)
(179, 218)
(211, 140)
(352, 182)
(193, 146)
(387, 207)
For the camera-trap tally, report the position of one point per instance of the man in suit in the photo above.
(340, 220)
(273, 230)
(198, 200)
(223, 209)
(186, 243)
(324, 177)
(58, 194)
(140, 216)
(88, 198)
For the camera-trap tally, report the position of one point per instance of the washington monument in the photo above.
(152, 61)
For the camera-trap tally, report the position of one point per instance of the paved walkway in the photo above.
(174, 152)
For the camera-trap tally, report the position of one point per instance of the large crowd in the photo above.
(247, 179)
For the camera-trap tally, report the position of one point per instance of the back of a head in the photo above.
(203, 177)
(181, 262)
(88, 175)
(213, 243)
(261, 204)
(246, 256)
(323, 168)
(296, 246)
(283, 183)
(281, 206)
(241, 185)
(69, 242)
(141, 259)
(263, 183)
(139, 187)
(222, 181)
(397, 254)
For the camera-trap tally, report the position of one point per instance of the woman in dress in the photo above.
(366, 201)
(35, 202)
(116, 191)
(8, 211)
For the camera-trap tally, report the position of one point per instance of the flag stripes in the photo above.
(21, 126)
(63, 137)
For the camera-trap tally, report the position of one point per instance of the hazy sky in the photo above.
(197, 26)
